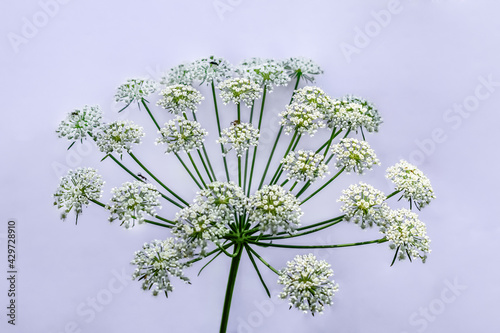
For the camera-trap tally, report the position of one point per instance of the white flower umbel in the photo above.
(307, 285)
(315, 97)
(266, 72)
(181, 134)
(225, 197)
(199, 224)
(239, 137)
(364, 205)
(304, 165)
(212, 69)
(132, 202)
(156, 263)
(135, 90)
(302, 118)
(407, 235)
(305, 67)
(353, 113)
(180, 74)
(354, 155)
(412, 182)
(180, 98)
(274, 209)
(238, 90)
(118, 136)
(76, 189)
(80, 123)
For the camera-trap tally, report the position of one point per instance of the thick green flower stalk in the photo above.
(243, 218)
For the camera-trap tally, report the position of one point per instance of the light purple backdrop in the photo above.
(431, 67)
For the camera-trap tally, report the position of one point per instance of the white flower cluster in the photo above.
(226, 198)
(132, 202)
(364, 205)
(302, 118)
(198, 224)
(211, 69)
(156, 263)
(307, 285)
(181, 134)
(135, 90)
(180, 74)
(305, 67)
(352, 113)
(304, 165)
(80, 123)
(354, 155)
(239, 90)
(118, 136)
(315, 97)
(412, 182)
(76, 189)
(180, 97)
(266, 72)
(273, 208)
(240, 137)
(407, 234)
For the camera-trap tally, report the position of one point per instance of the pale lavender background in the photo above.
(429, 57)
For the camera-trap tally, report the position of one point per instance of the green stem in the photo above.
(196, 169)
(219, 129)
(247, 153)
(188, 171)
(149, 112)
(142, 180)
(247, 248)
(156, 179)
(323, 186)
(263, 261)
(392, 194)
(205, 152)
(338, 218)
(303, 233)
(264, 93)
(376, 241)
(233, 271)
(277, 137)
(293, 143)
(204, 165)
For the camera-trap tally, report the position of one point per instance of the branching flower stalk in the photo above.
(230, 219)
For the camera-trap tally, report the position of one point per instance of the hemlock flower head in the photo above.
(135, 90)
(156, 263)
(239, 90)
(118, 136)
(76, 189)
(212, 69)
(239, 137)
(364, 205)
(315, 97)
(225, 197)
(266, 72)
(132, 202)
(180, 74)
(412, 182)
(181, 134)
(408, 235)
(80, 123)
(304, 165)
(273, 208)
(302, 118)
(180, 97)
(305, 67)
(197, 225)
(354, 155)
(307, 285)
(353, 113)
